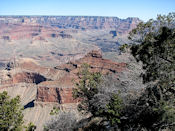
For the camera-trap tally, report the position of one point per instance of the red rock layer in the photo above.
(61, 90)
(35, 32)
(52, 88)
(96, 62)
(24, 77)
(55, 94)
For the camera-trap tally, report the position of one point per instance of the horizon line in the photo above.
(73, 16)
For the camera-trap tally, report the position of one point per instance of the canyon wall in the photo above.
(75, 22)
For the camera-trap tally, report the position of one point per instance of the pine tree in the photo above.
(11, 117)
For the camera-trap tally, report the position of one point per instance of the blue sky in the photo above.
(144, 9)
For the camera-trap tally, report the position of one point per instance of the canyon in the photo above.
(54, 40)
(42, 55)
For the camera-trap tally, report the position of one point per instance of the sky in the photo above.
(143, 9)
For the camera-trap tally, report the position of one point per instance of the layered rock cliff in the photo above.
(55, 85)
(96, 62)
(75, 22)
(19, 31)
(61, 90)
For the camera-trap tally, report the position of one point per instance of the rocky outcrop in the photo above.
(61, 90)
(57, 94)
(24, 77)
(55, 85)
(27, 77)
(96, 62)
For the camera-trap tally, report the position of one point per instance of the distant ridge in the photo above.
(74, 22)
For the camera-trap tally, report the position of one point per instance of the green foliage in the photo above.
(87, 88)
(146, 31)
(124, 47)
(114, 109)
(153, 111)
(156, 50)
(11, 117)
(30, 127)
(158, 57)
(54, 111)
